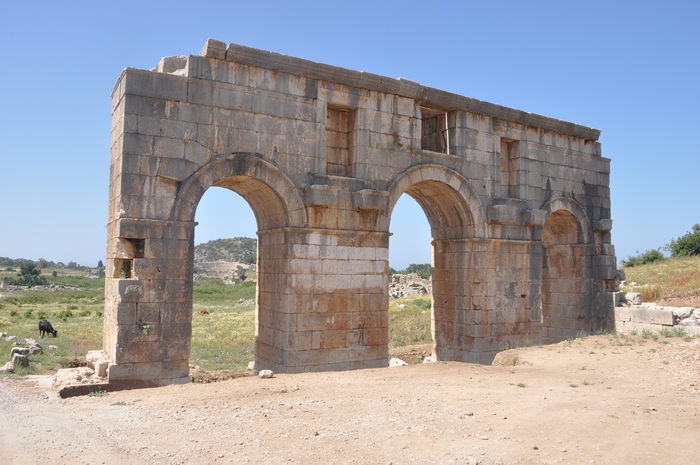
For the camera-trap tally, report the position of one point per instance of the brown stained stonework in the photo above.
(518, 205)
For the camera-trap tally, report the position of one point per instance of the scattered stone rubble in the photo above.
(19, 355)
(94, 373)
(631, 314)
(403, 285)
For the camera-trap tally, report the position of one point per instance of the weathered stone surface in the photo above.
(19, 350)
(20, 360)
(8, 367)
(266, 374)
(681, 313)
(73, 376)
(652, 315)
(518, 205)
(396, 362)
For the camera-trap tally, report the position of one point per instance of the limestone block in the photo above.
(367, 199)
(214, 49)
(534, 217)
(681, 313)
(692, 331)
(172, 65)
(94, 356)
(623, 314)
(651, 315)
(319, 195)
(100, 368)
(72, 376)
(502, 214)
(633, 298)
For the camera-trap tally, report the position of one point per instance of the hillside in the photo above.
(236, 249)
(222, 258)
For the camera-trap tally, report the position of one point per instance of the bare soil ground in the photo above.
(602, 399)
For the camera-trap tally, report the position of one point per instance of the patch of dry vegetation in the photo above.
(673, 277)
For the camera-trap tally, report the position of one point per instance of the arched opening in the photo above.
(224, 286)
(562, 299)
(410, 284)
(276, 205)
(450, 207)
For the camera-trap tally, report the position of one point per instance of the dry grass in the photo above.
(409, 321)
(674, 277)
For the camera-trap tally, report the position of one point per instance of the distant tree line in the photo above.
(424, 270)
(42, 263)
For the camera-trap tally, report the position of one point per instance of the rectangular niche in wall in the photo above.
(510, 151)
(434, 135)
(340, 125)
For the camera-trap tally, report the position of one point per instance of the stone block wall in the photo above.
(518, 206)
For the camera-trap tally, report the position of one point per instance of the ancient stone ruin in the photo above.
(518, 205)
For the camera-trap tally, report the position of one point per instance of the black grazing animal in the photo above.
(46, 328)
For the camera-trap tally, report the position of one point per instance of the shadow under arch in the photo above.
(456, 217)
(277, 206)
(565, 296)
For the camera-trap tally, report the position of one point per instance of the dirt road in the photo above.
(603, 399)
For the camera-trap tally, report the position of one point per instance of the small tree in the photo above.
(650, 256)
(685, 246)
(28, 276)
(100, 264)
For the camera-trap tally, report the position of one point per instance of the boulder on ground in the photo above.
(20, 360)
(396, 362)
(72, 376)
(7, 368)
(95, 356)
(265, 374)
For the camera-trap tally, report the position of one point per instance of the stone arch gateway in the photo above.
(322, 154)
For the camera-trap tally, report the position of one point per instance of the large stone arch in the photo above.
(566, 245)
(456, 216)
(277, 206)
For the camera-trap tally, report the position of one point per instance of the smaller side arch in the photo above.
(565, 204)
(565, 302)
(274, 198)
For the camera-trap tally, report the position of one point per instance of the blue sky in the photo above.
(631, 69)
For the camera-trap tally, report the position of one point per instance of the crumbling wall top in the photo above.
(430, 96)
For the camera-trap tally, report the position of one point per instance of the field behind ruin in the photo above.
(223, 339)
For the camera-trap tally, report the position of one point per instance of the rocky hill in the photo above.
(222, 258)
(236, 249)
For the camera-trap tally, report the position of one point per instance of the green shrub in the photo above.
(650, 256)
(685, 246)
